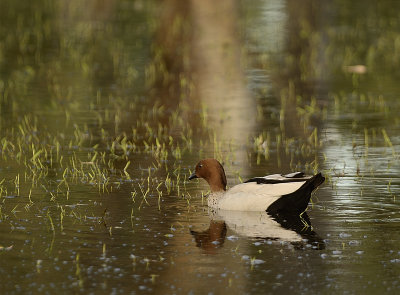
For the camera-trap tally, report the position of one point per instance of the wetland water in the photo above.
(106, 106)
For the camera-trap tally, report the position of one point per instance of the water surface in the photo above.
(107, 107)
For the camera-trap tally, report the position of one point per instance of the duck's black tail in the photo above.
(297, 201)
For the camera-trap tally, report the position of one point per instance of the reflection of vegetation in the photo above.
(322, 41)
(70, 73)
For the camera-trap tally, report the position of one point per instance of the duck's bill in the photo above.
(193, 176)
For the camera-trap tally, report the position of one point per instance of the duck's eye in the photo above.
(200, 165)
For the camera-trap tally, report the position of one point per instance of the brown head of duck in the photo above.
(212, 171)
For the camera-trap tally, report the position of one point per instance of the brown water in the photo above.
(107, 106)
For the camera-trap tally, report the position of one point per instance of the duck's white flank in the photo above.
(251, 196)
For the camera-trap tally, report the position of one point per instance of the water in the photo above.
(106, 108)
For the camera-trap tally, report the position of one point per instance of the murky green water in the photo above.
(106, 106)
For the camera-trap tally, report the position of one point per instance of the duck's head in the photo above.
(213, 172)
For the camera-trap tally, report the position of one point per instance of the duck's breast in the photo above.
(254, 197)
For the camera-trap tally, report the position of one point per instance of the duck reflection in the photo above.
(276, 226)
(212, 238)
(301, 225)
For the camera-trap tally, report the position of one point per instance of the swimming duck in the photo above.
(275, 193)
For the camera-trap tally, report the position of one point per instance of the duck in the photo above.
(289, 193)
